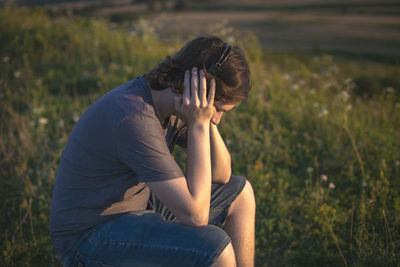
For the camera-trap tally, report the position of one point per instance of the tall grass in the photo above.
(323, 156)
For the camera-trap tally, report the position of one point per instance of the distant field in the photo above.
(352, 33)
(354, 27)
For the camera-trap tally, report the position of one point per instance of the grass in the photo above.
(318, 138)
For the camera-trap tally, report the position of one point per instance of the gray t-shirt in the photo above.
(115, 148)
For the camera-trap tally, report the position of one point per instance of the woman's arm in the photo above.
(220, 157)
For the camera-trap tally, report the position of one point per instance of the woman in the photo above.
(120, 199)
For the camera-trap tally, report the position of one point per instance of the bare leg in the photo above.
(240, 226)
(226, 258)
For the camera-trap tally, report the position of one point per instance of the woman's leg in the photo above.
(240, 226)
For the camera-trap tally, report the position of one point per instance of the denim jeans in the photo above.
(153, 237)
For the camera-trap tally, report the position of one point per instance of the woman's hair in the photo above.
(232, 82)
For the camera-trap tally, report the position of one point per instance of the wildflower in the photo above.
(383, 161)
(60, 124)
(389, 89)
(17, 74)
(364, 183)
(13, 238)
(315, 104)
(305, 134)
(128, 68)
(286, 76)
(336, 201)
(36, 110)
(6, 59)
(266, 183)
(348, 107)
(75, 117)
(344, 96)
(312, 91)
(39, 81)
(43, 121)
(331, 185)
(324, 177)
(310, 169)
(298, 145)
(348, 80)
(397, 163)
(294, 87)
(326, 85)
(228, 141)
(323, 112)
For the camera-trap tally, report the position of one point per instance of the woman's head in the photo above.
(232, 82)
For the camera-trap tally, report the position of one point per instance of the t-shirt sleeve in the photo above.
(141, 145)
(182, 137)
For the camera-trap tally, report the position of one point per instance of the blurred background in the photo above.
(318, 137)
(361, 27)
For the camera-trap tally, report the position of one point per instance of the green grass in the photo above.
(319, 139)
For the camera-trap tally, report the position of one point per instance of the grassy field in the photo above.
(319, 138)
(363, 27)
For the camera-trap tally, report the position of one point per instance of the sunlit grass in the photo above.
(322, 153)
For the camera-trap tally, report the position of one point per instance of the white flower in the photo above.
(324, 177)
(335, 68)
(389, 89)
(323, 112)
(344, 96)
(331, 185)
(43, 121)
(75, 117)
(294, 87)
(348, 80)
(310, 169)
(286, 76)
(60, 124)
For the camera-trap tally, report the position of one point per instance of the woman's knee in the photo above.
(226, 258)
(245, 200)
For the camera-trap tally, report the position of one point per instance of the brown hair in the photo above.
(232, 82)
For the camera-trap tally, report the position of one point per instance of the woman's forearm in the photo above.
(220, 157)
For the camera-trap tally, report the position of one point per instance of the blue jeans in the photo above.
(153, 237)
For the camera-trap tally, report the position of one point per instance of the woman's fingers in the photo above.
(186, 88)
(211, 94)
(194, 87)
(203, 89)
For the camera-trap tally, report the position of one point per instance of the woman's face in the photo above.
(219, 109)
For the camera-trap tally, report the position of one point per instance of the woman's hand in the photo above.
(193, 106)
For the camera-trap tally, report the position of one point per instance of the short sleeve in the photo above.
(141, 145)
(182, 137)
